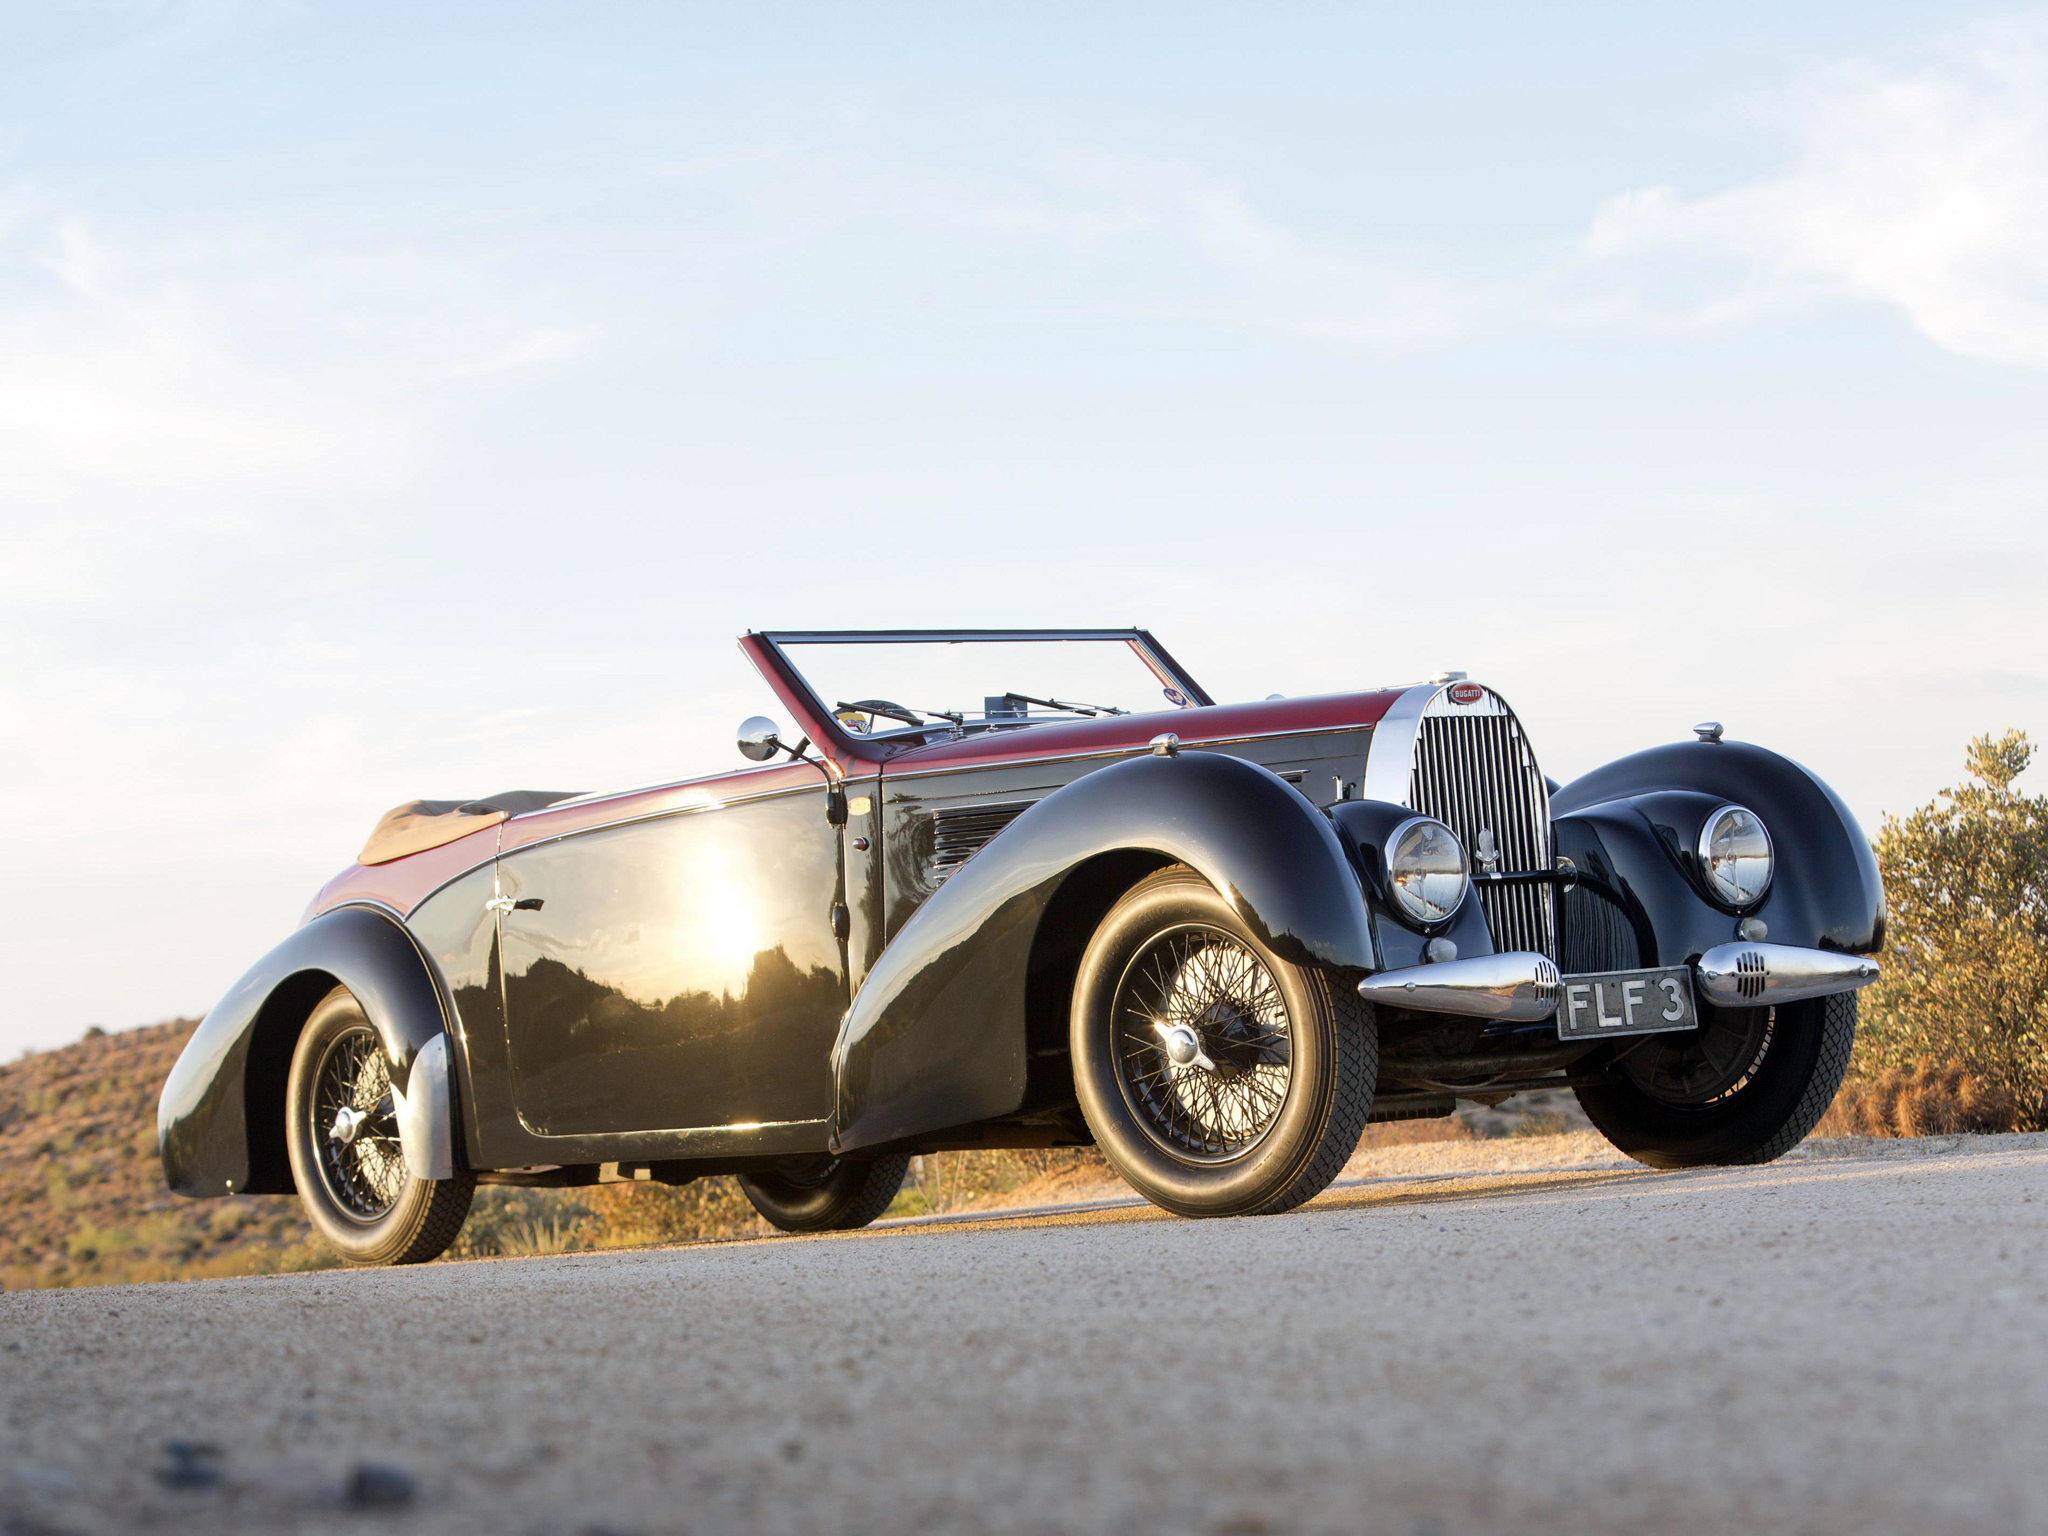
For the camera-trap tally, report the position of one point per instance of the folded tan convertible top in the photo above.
(422, 824)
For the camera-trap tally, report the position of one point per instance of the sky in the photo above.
(409, 401)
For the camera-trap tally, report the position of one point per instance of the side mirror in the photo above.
(759, 739)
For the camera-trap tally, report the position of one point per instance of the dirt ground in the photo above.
(1519, 1334)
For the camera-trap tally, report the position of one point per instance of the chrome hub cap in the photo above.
(355, 1126)
(1183, 1045)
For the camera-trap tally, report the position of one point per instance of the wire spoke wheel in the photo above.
(1203, 1044)
(355, 1126)
(341, 1137)
(1218, 1077)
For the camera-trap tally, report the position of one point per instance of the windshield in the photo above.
(879, 686)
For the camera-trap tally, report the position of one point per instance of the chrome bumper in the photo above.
(1522, 987)
(1757, 975)
(1519, 987)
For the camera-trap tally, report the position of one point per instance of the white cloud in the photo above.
(112, 380)
(1924, 188)
(129, 372)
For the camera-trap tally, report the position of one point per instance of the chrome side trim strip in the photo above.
(601, 826)
(598, 797)
(1759, 975)
(1187, 744)
(426, 1122)
(664, 813)
(643, 1146)
(382, 909)
(1518, 986)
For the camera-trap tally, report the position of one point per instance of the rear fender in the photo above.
(937, 1035)
(220, 1123)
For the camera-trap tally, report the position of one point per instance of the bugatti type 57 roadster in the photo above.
(1007, 889)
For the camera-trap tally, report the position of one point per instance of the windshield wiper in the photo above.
(878, 707)
(1070, 708)
(896, 711)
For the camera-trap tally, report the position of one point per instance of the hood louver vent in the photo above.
(959, 834)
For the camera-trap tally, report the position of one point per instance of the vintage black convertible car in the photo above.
(941, 913)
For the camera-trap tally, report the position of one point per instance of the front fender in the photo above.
(219, 1119)
(1367, 824)
(1631, 828)
(936, 1036)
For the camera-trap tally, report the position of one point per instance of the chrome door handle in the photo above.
(500, 904)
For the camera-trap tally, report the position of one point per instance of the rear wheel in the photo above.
(824, 1194)
(1747, 1086)
(1219, 1079)
(341, 1131)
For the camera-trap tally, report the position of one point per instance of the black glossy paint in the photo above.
(1319, 764)
(219, 1120)
(678, 992)
(459, 934)
(937, 1036)
(1365, 826)
(1632, 827)
(679, 973)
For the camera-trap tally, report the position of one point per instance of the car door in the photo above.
(679, 971)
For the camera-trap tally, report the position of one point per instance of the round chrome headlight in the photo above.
(1426, 869)
(1735, 856)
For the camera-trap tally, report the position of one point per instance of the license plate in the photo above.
(1626, 1003)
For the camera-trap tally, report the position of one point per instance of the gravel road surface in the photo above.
(1854, 1339)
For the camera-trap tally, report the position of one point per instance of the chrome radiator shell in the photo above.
(1456, 751)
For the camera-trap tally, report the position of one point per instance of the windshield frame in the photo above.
(1148, 650)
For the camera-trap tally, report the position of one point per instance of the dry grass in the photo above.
(518, 1222)
(940, 1183)
(1926, 1099)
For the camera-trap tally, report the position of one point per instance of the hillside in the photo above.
(82, 1197)
(82, 1200)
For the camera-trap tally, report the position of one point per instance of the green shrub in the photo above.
(1965, 983)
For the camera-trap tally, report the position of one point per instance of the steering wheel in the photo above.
(882, 707)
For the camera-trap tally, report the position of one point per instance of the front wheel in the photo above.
(1747, 1086)
(824, 1194)
(1218, 1078)
(341, 1131)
